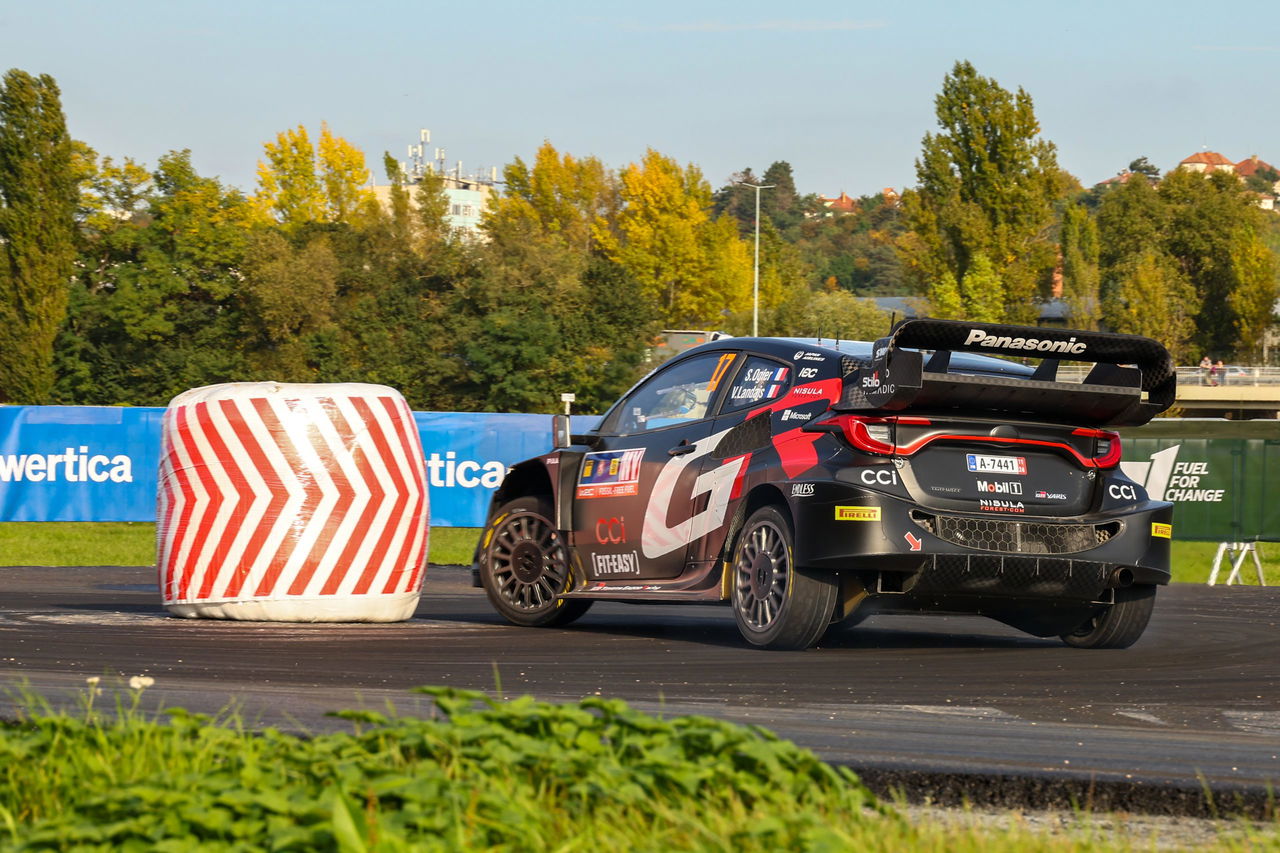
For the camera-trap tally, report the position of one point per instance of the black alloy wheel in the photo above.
(525, 567)
(776, 604)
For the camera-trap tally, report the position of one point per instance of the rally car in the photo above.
(808, 482)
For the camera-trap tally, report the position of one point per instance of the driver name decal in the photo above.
(657, 539)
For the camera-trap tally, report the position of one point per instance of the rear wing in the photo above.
(1133, 379)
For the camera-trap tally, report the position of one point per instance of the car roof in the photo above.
(785, 348)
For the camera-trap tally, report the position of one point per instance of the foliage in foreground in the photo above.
(521, 775)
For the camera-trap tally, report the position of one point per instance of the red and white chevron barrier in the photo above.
(291, 503)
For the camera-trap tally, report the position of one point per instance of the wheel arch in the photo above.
(529, 479)
(765, 494)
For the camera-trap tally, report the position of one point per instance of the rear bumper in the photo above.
(840, 529)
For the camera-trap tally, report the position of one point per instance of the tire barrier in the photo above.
(291, 503)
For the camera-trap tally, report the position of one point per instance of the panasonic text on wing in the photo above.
(982, 339)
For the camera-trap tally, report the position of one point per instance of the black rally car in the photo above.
(808, 482)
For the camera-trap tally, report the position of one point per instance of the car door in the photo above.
(743, 434)
(635, 491)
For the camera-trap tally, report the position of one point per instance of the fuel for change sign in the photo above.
(1223, 477)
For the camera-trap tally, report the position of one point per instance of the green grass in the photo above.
(478, 774)
(55, 543)
(110, 543)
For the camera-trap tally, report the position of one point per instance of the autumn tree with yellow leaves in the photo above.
(299, 182)
(693, 267)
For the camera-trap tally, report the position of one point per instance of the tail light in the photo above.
(872, 435)
(1106, 446)
(876, 435)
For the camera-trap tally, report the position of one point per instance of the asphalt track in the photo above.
(948, 707)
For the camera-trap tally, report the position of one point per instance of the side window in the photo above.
(759, 381)
(677, 395)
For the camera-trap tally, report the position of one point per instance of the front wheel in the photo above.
(524, 566)
(1118, 625)
(776, 605)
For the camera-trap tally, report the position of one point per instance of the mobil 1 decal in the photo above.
(610, 473)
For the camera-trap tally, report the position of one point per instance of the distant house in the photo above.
(1253, 165)
(1211, 161)
(840, 205)
(1207, 161)
(1122, 178)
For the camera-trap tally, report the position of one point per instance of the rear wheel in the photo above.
(1119, 625)
(776, 605)
(525, 566)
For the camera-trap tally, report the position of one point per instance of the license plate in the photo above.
(980, 464)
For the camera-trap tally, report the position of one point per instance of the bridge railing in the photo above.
(1232, 375)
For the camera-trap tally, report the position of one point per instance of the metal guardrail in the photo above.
(1231, 375)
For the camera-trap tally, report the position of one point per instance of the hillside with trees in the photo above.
(123, 283)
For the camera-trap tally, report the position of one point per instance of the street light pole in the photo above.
(755, 287)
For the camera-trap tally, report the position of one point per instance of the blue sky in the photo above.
(842, 90)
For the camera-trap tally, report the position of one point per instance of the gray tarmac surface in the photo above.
(949, 707)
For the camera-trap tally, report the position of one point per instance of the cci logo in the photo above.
(879, 477)
(611, 531)
(1122, 492)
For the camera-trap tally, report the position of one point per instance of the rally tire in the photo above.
(524, 566)
(776, 604)
(1118, 625)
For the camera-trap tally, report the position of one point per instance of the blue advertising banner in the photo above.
(99, 463)
(468, 455)
(78, 463)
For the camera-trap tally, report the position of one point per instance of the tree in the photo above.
(1143, 166)
(38, 201)
(858, 249)
(838, 314)
(297, 184)
(1151, 297)
(780, 205)
(691, 266)
(345, 178)
(1132, 219)
(944, 298)
(1253, 299)
(289, 294)
(1213, 232)
(1080, 273)
(159, 308)
(987, 186)
(982, 293)
(565, 196)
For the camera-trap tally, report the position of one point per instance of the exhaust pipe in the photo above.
(1121, 578)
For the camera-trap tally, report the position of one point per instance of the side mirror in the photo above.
(560, 431)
